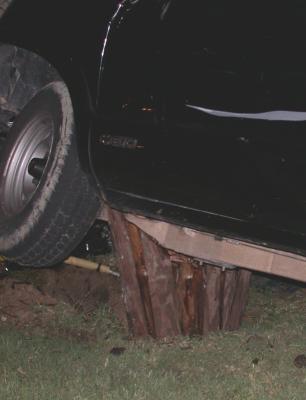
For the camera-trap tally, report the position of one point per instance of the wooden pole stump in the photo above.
(167, 294)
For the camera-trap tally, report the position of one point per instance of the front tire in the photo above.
(47, 203)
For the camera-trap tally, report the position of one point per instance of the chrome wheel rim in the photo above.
(33, 144)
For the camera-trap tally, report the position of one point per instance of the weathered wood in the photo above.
(199, 290)
(171, 294)
(162, 289)
(222, 250)
(240, 299)
(129, 280)
(186, 296)
(212, 300)
(229, 290)
(142, 275)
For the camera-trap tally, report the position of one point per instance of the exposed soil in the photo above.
(29, 297)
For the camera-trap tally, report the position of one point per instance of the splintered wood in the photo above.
(169, 294)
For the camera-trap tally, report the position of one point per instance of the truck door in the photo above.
(201, 106)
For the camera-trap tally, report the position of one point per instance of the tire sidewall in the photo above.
(55, 100)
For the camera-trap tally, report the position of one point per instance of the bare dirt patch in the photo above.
(18, 300)
(34, 297)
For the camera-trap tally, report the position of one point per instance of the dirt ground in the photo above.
(29, 297)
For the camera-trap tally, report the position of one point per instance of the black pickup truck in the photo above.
(192, 112)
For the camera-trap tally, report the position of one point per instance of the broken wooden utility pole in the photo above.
(167, 294)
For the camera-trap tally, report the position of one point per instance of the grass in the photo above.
(73, 357)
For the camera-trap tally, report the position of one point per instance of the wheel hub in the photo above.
(26, 163)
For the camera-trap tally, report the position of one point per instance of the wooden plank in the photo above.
(223, 251)
(142, 275)
(229, 289)
(162, 288)
(240, 299)
(186, 297)
(199, 298)
(212, 301)
(129, 280)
